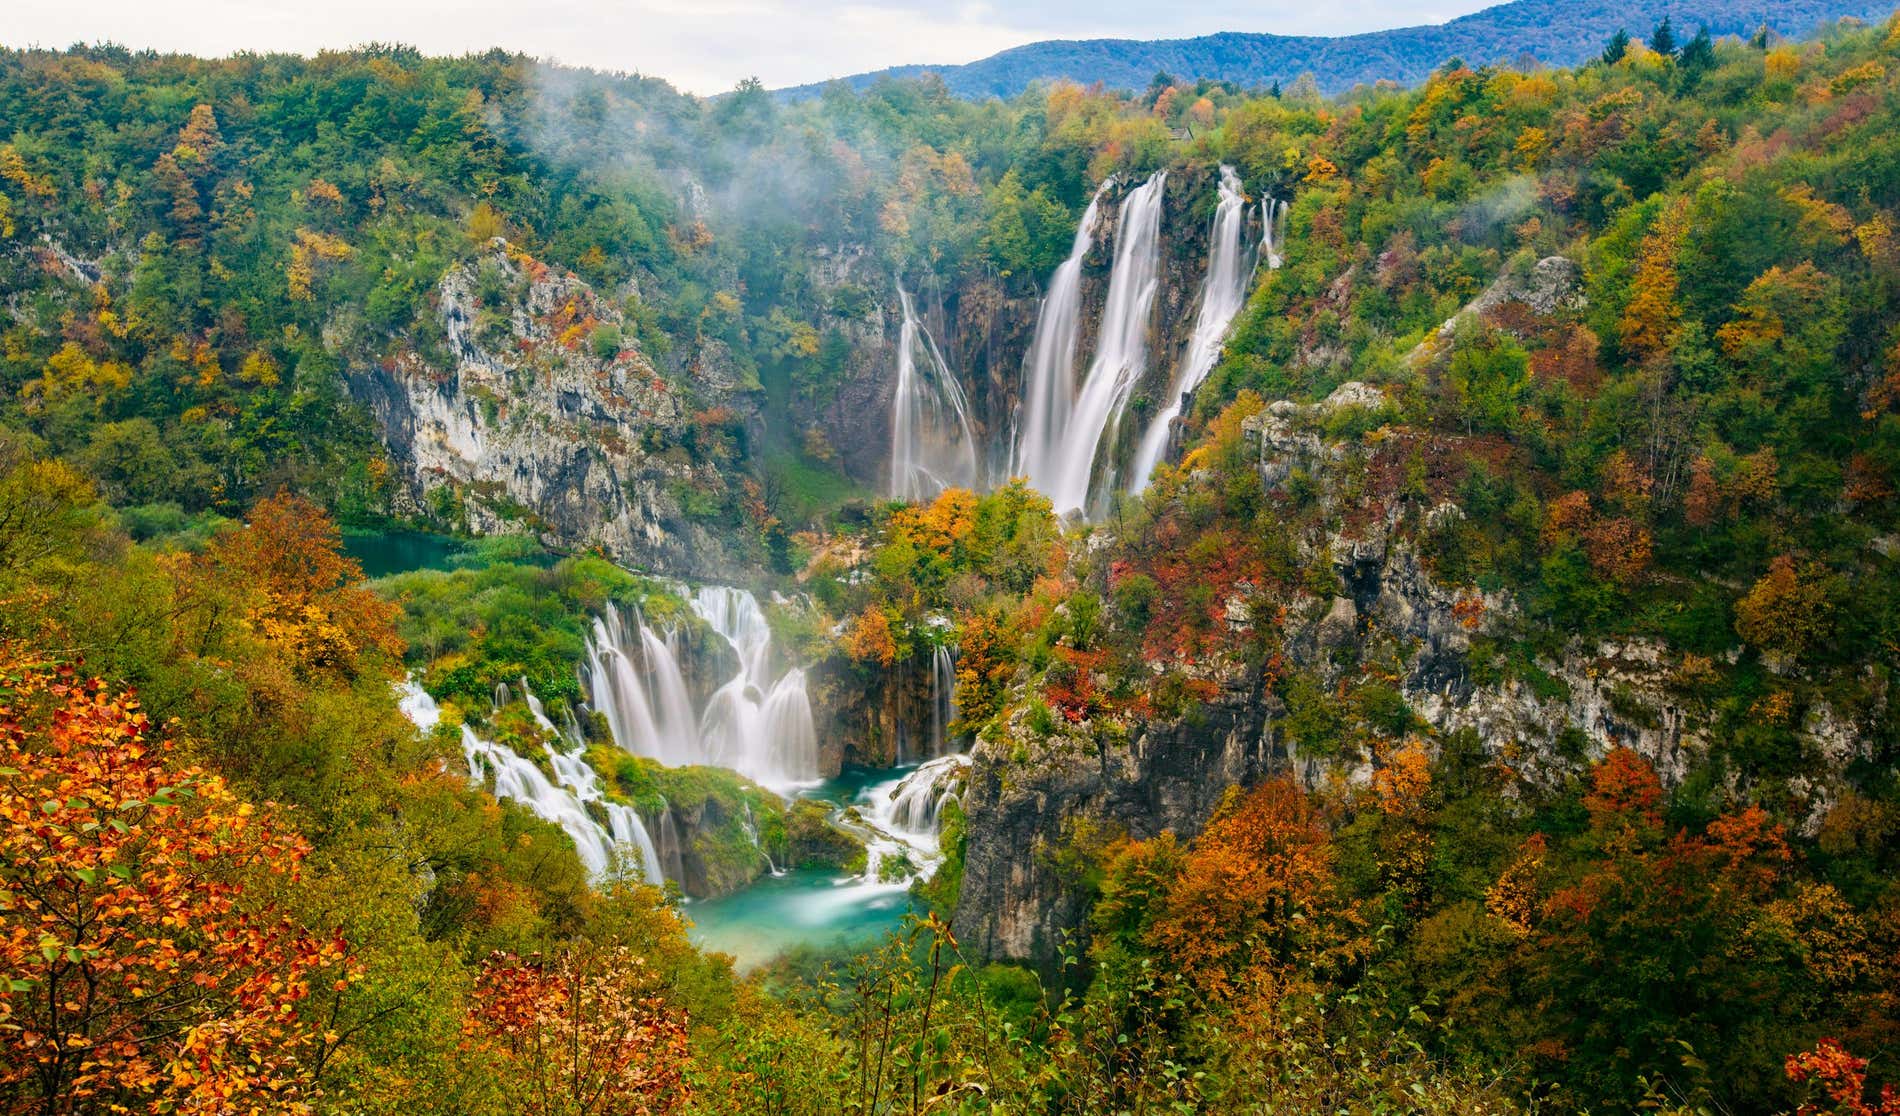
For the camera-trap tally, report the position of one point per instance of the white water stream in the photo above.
(1230, 266)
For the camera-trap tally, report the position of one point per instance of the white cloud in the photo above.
(701, 45)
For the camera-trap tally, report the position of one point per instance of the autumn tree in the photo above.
(1256, 899)
(582, 1033)
(1786, 612)
(136, 974)
(304, 591)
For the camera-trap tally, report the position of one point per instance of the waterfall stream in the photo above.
(932, 445)
(1230, 266)
(757, 723)
(1068, 459)
(1049, 366)
(562, 801)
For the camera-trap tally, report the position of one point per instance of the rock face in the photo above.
(540, 415)
(1017, 904)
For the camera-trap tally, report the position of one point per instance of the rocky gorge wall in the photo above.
(540, 414)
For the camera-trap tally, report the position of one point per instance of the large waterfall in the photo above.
(1229, 267)
(1120, 356)
(757, 723)
(1049, 368)
(932, 444)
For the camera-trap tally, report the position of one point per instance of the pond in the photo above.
(382, 553)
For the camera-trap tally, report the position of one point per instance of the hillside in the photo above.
(1185, 600)
(1554, 32)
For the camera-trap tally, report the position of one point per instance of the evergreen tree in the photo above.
(1697, 57)
(1618, 46)
(1663, 39)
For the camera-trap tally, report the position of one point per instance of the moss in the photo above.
(718, 812)
(941, 891)
(812, 841)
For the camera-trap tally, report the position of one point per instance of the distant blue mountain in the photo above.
(1556, 32)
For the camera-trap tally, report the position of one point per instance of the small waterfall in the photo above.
(755, 724)
(1222, 293)
(623, 690)
(562, 801)
(1049, 366)
(672, 861)
(943, 697)
(932, 445)
(902, 818)
(1272, 231)
(1121, 351)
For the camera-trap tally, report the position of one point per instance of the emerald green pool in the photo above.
(803, 908)
(382, 553)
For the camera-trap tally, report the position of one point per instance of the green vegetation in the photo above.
(1665, 495)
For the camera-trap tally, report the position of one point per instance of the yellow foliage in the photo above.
(1864, 74)
(311, 246)
(1781, 64)
(13, 169)
(485, 223)
(259, 370)
(322, 189)
(1651, 317)
(70, 372)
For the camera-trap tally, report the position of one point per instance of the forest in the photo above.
(1486, 707)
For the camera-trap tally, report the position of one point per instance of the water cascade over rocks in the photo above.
(562, 801)
(758, 723)
(932, 445)
(1272, 231)
(1049, 367)
(1068, 463)
(1230, 265)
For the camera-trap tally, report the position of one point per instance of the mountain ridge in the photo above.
(1551, 31)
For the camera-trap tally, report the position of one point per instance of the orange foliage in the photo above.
(1652, 316)
(1784, 612)
(1623, 786)
(869, 640)
(1513, 899)
(1843, 1078)
(134, 975)
(1255, 901)
(586, 1033)
(304, 596)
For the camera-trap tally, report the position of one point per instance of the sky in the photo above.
(702, 46)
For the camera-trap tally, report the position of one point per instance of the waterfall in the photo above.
(943, 697)
(1222, 293)
(1272, 231)
(562, 801)
(1049, 366)
(902, 817)
(932, 446)
(1121, 351)
(623, 690)
(757, 724)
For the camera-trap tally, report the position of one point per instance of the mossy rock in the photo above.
(812, 841)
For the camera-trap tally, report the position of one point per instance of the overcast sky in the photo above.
(704, 46)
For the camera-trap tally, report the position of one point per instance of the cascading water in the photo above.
(562, 801)
(902, 818)
(1230, 266)
(1121, 352)
(1049, 366)
(932, 445)
(1272, 231)
(943, 697)
(756, 724)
